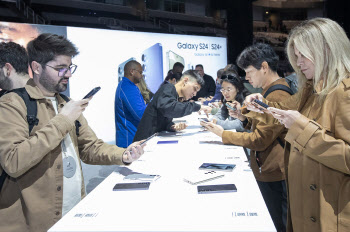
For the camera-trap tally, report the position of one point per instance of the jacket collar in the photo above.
(35, 93)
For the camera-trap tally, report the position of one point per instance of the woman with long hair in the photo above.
(317, 151)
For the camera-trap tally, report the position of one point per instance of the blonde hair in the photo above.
(326, 45)
(144, 90)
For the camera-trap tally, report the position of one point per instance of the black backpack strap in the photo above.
(32, 108)
(77, 123)
(278, 87)
(3, 178)
(283, 88)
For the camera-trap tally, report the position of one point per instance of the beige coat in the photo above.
(318, 161)
(31, 199)
(263, 139)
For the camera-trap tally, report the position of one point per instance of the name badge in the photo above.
(69, 167)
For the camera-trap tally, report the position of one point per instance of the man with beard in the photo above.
(45, 178)
(13, 67)
(129, 104)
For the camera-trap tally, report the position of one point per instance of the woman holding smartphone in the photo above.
(233, 94)
(317, 150)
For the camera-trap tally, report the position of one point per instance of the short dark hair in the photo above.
(130, 65)
(194, 76)
(178, 64)
(220, 72)
(14, 54)
(199, 65)
(171, 75)
(256, 54)
(47, 46)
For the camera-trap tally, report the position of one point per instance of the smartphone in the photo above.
(92, 92)
(230, 107)
(203, 119)
(131, 186)
(142, 177)
(263, 105)
(220, 188)
(152, 66)
(155, 134)
(217, 167)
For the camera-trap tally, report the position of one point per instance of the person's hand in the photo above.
(250, 104)
(216, 129)
(236, 113)
(286, 117)
(73, 109)
(214, 121)
(206, 109)
(201, 99)
(210, 98)
(179, 126)
(133, 152)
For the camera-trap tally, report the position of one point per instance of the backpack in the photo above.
(292, 81)
(32, 111)
(274, 88)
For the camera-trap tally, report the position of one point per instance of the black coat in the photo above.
(160, 112)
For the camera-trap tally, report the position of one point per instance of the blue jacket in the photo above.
(128, 108)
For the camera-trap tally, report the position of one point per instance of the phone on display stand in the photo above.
(92, 92)
(131, 186)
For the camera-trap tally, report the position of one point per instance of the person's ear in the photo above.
(36, 67)
(264, 66)
(8, 68)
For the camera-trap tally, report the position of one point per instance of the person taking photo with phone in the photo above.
(44, 179)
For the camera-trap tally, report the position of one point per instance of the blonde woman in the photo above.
(317, 150)
(145, 92)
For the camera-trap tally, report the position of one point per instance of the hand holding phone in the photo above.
(203, 119)
(230, 107)
(155, 134)
(92, 92)
(262, 106)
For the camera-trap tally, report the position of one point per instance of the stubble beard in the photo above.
(50, 84)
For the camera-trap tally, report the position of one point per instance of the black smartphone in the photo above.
(155, 134)
(230, 107)
(262, 104)
(92, 92)
(131, 186)
(203, 119)
(220, 188)
(217, 167)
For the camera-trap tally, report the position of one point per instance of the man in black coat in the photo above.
(207, 91)
(168, 103)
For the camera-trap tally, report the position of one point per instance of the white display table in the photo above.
(171, 204)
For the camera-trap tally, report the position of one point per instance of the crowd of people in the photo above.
(298, 144)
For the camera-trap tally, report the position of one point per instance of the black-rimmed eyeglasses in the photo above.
(63, 71)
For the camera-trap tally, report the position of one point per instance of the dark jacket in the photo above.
(208, 89)
(160, 112)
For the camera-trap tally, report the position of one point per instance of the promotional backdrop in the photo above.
(103, 54)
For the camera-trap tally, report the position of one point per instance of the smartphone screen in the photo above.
(220, 188)
(204, 119)
(218, 167)
(131, 186)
